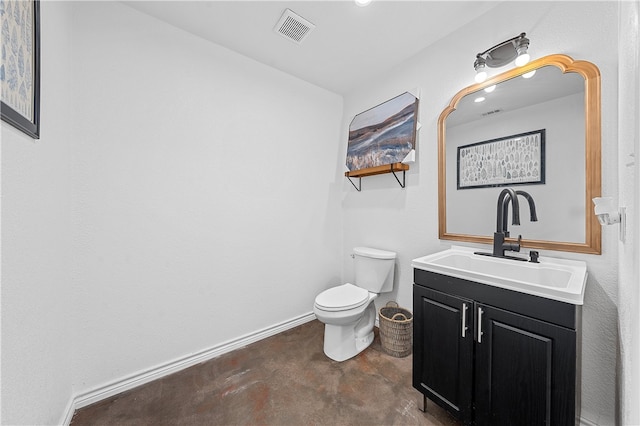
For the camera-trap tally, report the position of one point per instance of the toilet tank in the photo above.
(374, 269)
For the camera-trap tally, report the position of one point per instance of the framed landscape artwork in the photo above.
(510, 160)
(20, 65)
(384, 134)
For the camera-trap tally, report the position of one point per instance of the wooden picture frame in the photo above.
(20, 66)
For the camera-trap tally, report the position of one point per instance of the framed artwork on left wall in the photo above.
(20, 65)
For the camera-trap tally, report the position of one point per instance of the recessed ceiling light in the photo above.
(490, 89)
(480, 99)
(363, 3)
(528, 74)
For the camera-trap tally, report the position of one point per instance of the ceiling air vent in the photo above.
(495, 111)
(293, 26)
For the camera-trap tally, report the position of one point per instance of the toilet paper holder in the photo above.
(608, 213)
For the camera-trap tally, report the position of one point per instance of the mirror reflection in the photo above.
(527, 132)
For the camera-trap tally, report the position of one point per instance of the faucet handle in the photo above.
(512, 246)
(518, 243)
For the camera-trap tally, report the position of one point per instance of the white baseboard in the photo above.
(163, 370)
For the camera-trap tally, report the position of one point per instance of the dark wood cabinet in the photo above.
(491, 356)
(443, 359)
(525, 370)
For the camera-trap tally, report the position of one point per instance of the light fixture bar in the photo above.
(501, 54)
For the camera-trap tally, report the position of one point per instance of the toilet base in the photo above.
(342, 342)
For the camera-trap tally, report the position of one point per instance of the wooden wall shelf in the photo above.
(379, 170)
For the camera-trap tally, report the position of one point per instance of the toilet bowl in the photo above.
(349, 318)
(348, 310)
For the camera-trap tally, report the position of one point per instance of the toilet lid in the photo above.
(341, 298)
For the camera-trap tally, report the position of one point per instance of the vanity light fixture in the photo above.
(501, 54)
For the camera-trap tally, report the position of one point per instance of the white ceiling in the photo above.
(348, 41)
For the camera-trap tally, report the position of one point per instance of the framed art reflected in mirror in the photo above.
(511, 160)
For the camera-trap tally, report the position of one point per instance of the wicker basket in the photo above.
(396, 330)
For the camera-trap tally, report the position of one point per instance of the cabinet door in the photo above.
(525, 370)
(443, 350)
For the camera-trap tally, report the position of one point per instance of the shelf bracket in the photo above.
(359, 187)
(403, 183)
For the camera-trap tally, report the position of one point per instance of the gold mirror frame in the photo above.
(593, 173)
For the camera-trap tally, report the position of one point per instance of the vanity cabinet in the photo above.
(493, 356)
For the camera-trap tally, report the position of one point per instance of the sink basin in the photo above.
(557, 279)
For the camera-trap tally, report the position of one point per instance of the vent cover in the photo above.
(495, 111)
(293, 27)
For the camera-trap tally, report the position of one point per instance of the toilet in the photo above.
(348, 311)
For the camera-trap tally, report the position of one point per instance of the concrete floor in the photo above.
(282, 380)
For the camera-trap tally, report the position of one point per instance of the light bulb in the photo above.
(481, 69)
(522, 49)
(522, 59)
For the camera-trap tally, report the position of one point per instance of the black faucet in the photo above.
(507, 196)
(503, 210)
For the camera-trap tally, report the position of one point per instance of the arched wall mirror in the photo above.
(539, 133)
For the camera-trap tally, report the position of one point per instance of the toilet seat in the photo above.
(342, 298)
